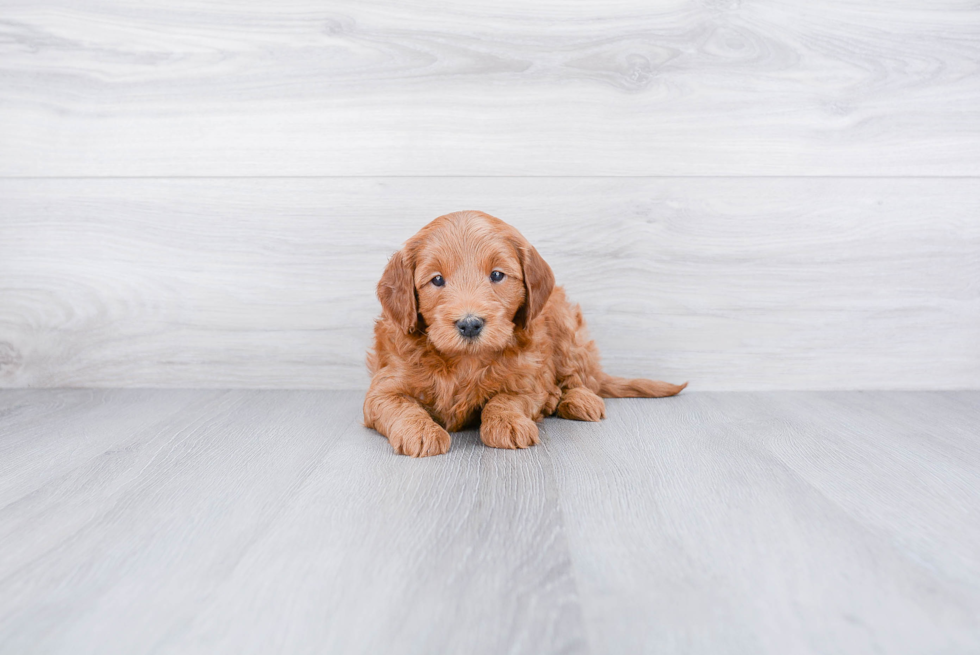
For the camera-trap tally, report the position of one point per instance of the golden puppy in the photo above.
(473, 330)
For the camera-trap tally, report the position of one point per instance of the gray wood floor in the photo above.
(178, 521)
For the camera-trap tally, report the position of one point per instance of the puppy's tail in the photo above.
(613, 387)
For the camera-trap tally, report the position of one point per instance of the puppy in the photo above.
(474, 330)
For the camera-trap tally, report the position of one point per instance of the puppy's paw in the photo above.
(508, 430)
(581, 404)
(551, 404)
(419, 438)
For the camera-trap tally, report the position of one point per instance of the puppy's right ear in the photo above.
(396, 291)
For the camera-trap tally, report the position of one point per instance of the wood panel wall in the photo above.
(747, 195)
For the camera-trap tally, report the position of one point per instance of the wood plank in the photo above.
(679, 87)
(32, 445)
(729, 283)
(271, 521)
(775, 523)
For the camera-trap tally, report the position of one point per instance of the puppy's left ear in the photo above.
(539, 281)
(396, 291)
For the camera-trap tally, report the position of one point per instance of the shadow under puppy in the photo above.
(474, 330)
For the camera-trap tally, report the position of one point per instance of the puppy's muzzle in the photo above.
(470, 326)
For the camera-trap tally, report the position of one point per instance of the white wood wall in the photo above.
(747, 195)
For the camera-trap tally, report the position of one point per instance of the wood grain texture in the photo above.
(729, 283)
(776, 523)
(680, 87)
(175, 521)
(259, 522)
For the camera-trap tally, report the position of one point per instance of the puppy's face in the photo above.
(468, 280)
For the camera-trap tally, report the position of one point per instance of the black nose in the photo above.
(469, 326)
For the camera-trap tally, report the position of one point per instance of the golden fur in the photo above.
(531, 359)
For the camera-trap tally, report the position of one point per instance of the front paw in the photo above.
(510, 430)
(419, 438)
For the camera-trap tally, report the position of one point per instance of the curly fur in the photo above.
(532, 358)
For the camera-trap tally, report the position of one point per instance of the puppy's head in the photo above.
(468, 280)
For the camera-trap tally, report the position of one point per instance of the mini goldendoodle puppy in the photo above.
(474, 330)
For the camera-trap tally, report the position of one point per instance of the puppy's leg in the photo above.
(506, 421)
(409, 428)
(581, 404)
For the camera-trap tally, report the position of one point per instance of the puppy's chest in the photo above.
(456, 397)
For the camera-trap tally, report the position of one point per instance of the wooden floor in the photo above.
(138, 521)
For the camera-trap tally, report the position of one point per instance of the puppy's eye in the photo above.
(438, 281)
(496, 276)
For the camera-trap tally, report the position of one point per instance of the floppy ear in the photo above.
(396, 291)
(538, 283)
